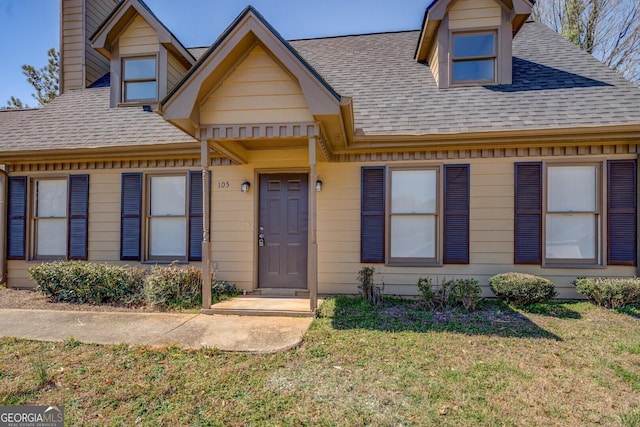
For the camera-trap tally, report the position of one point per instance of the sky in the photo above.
(28, 28)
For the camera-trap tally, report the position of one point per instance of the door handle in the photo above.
(260, 239)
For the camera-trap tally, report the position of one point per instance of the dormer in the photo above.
(146, 60)
(469, 42)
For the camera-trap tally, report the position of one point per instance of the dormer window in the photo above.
(139, 81)
(473, 59)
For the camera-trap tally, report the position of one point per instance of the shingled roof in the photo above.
(83, 119)
(555, 85)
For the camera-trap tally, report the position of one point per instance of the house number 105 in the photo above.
(223, 184)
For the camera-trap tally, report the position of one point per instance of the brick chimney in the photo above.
(80, 64)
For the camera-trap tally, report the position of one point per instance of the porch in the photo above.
(272, 303)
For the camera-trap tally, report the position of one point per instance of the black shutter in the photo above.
(372, 215)
(456, 214)
(621, 205)
(195, 216)
(78, 216)
(528, 213)
(131, 219)
(17, 217)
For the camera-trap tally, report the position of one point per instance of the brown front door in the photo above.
(282, 238)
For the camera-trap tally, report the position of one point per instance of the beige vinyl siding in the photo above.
(72, 45)
(491, 234)
(81, 64)
(175, 72)
(259, 90)
(433, 62)
(139, 38)
(466, 14)
(96, 65)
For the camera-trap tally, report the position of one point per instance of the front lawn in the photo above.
(556, 364)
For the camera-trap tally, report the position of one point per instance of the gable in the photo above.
(138, 38)
(474, 14)
(259, 90)
(273, 76)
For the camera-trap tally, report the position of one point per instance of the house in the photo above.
(478, 144)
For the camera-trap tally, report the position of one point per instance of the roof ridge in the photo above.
(355, 35)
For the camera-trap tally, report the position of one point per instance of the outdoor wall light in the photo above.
(245, 187)
(319, 185)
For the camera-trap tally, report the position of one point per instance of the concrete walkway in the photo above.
(228, 333)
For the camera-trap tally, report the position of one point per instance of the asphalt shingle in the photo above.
(83, 119)
(555, 84)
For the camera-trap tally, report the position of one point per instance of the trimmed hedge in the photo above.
(86, 282)
(163, 287)
(522, 289)
(610, 292)
(181, 287)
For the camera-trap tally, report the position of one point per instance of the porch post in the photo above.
(206, 244)
(312, 265)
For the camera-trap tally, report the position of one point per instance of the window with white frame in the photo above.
(139, 79)
(474, 57)
(413, 215)
(572, 220)
(50, 218)
(167, 217)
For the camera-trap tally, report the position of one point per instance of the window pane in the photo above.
(413, 191)
(571, 236)
(413, 236)
(571, 188)
(51, 237)
(168, 237)
(139, 69)
(51, 198)
(466, 45)
(482, 69)
(168, 195)
(140, 91)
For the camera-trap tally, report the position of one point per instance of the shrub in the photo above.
(174, 286)
(522, 289)
(610, 292)
(86, 282)
(221, 290)
(181, 287)
(451, 293)
(370, 291)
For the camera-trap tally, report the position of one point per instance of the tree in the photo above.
(607, 29)
(45, 81)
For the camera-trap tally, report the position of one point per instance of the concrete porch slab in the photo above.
(250, 305)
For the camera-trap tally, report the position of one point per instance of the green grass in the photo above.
(558, 364)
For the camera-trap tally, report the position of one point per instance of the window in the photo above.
(58, 215)
(50, 218)
(169, 222)
(413, 215)
(572, 214)
(474, 57)
(167, 217)
(139, 82)
(402, 223)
